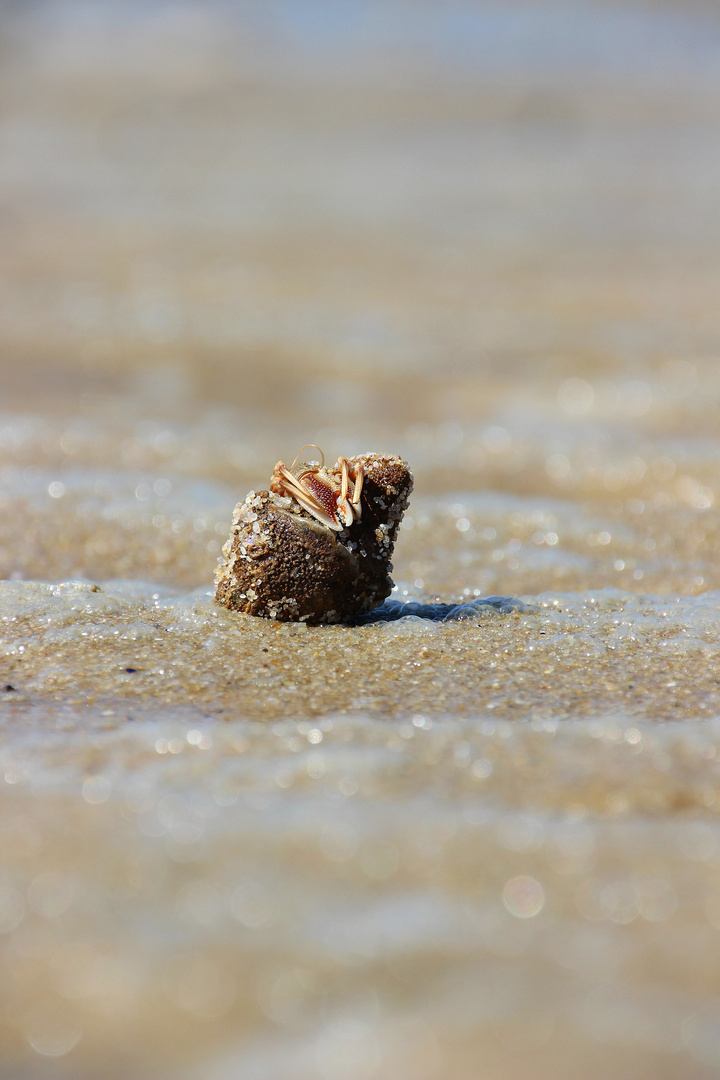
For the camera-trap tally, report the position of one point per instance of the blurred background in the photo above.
(229, 227)
(483, 235)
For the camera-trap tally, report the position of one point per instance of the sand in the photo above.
(484, 241)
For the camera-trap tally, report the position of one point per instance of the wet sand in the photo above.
(481, 237)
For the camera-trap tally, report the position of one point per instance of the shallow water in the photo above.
(481, 236)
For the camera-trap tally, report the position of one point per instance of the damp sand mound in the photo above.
(558, 654)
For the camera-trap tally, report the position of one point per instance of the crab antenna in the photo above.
(307, 447)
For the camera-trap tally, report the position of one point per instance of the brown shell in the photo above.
(280, 563)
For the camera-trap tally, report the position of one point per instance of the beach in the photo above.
(482, 237)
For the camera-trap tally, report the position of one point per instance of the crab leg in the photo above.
(357, 490)
(344, 509)
(306, 499)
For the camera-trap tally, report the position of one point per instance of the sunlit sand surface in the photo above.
(483, 237)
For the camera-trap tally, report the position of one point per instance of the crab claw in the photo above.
(345, 513)
(357, 491)
(348, 510)
(312, 494)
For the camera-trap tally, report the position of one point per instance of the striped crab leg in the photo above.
(313, 495)
(348, 511)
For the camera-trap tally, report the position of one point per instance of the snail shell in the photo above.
(280, 563)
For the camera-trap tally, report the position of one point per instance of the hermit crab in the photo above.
(316, 546)
(316, 490)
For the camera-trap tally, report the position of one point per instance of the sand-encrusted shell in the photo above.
(280, 563)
